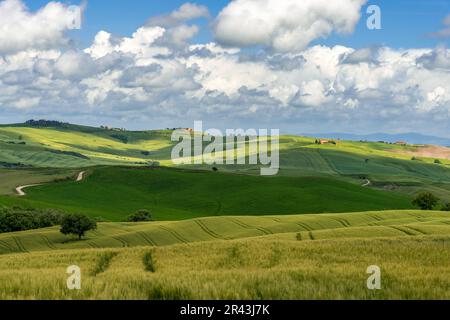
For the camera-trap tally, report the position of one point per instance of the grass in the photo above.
(390, 166)
(10, 179)
(170, 194)
(274, 257)
(224, 235)
(412, 268)
(149, 261)
(104, 261)
(303, 227)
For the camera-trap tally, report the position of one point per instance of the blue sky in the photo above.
(406, 23)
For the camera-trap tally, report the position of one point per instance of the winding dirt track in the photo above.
(80, 176)
(21, 193)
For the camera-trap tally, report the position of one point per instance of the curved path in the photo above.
(80, 176)
(20, 190)
(368, 183)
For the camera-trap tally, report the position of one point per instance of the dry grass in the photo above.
(413, 268)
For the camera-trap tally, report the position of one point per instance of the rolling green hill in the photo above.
(272, 257)
(71, 146)
(377, 224)
(230, 234)
(112, 193)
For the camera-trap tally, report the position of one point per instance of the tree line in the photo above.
(22, 219)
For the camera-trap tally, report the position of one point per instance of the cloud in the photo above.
(445, 32)
(286, 25)
(154, 78)
(21, 29)
(365, 55)
(26, 103)
(186, 12)
(74, 65)
(142, 42)
(436, 59)
(177, 31)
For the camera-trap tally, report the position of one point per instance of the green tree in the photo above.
(140, 216)
(425, 201)
(446, 207)
(19, 219)
(77, 224)
(437, 161)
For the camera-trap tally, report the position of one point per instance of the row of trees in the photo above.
(20, 219)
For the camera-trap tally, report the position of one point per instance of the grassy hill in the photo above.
(9, 178)
(291, 227)
(173, 194)
(237, 258)
(71, 146)
(230, 234)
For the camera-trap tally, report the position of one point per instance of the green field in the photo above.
(9, 179)
(112, 193)
(237, 258)
(308, 233)
(387, 166)
(291, 227)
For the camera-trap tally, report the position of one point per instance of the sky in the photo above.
(298, 66)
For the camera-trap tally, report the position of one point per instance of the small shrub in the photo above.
(425, 201)
(446, 207)
(437, 161)
(140, 216)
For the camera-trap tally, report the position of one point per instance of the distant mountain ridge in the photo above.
(412, 138)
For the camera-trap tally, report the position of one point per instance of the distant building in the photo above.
(401, 143)
(325, 141)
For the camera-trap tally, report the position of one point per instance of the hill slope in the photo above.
(302, 227)
(412, 248)
(171, 194)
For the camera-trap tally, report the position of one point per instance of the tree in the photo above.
(140, 216)
(19, 219)
(77, 224)
(425, 201)
(446, 207)
(437, 161)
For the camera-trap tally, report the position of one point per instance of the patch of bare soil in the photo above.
(430, 151)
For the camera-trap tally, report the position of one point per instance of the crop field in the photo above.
(388, 166)
(308, 233)
(300, 227)
(112, 193)
(292, 257)
(10, 179)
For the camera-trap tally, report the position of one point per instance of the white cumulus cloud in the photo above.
(21, 29)
(284, 25)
